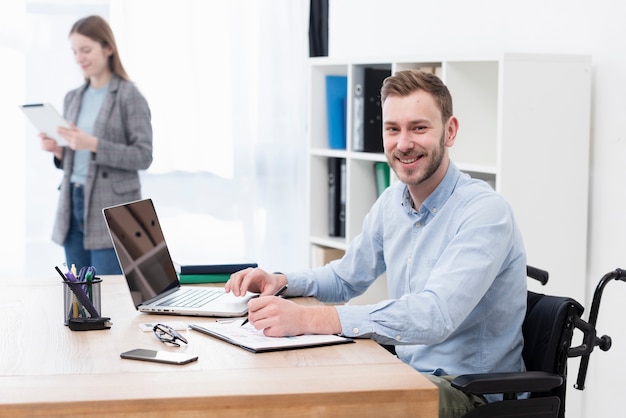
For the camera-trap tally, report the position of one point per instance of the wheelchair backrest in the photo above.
(548, 330)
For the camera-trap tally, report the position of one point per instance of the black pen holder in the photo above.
(81, 300)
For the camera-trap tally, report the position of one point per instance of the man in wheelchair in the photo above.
(453, 256)
(456, 273)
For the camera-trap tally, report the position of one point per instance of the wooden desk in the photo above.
(48, 370)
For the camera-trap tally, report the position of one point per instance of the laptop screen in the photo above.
(141, 249)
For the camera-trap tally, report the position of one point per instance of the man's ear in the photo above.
(451, 127)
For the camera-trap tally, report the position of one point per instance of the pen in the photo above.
(74, 277)
(278, 293)
(69, 276)
(81, 274)
(89, 278)
(81, 277)
(65, 279)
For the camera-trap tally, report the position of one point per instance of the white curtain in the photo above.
(226, 82)
(214, 72)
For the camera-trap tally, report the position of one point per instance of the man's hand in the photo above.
(278, 317)
(254, 280)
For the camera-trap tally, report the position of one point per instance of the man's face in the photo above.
(415, 138)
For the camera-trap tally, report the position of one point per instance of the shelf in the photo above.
(368, 156)
(326, 152)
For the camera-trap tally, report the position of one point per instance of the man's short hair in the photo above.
(404, 83)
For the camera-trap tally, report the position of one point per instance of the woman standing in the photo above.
(109, 140)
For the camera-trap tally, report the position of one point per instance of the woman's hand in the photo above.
(50, 145)
(78, 139)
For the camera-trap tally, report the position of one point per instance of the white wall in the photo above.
(375, 28)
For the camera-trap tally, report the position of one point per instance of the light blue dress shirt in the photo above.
(456, 273)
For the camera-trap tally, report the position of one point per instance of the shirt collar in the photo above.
(439, 196)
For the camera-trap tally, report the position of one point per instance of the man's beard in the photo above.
(435, 159)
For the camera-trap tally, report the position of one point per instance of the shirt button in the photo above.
(434, 210)
(398, 337)
(355, 331)
(418, 224)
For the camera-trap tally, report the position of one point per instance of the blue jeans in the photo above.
(105, 260)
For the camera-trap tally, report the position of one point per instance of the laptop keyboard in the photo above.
(192, 298)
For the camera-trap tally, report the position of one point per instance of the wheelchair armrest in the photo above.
(489, 383)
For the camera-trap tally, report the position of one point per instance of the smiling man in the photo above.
(449, 245)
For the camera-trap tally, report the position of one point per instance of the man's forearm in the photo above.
(322, 320)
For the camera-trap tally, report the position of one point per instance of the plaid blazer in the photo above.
(124, 133)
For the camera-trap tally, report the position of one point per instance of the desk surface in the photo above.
(48, 370)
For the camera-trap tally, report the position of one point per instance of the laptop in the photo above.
(150, 273)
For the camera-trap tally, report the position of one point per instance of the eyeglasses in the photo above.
(168, 335)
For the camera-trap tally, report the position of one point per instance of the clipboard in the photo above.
(248, 338)
(45, 118)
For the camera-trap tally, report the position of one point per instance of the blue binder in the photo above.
(336, 97)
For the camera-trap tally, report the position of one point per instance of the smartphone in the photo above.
(159, 356)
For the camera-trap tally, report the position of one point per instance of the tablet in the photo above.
(45, 118)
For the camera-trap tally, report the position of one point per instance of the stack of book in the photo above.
(209, 273)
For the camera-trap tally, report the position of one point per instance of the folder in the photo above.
(358, 111)
(336, 92)
(367, 113)
(251, 339)
(337, 197)
(382, 174)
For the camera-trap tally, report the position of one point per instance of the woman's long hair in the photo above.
(96, 28)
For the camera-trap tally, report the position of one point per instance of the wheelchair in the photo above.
(548, 330)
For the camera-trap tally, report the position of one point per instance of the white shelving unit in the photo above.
(524, 128)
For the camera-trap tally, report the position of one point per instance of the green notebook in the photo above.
(204, 278)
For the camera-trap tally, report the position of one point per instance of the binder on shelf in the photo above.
(382, 173)
(367, 112)
(336, 96)
(337, 197)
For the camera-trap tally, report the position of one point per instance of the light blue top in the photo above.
(456, 272)
(90, 105)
